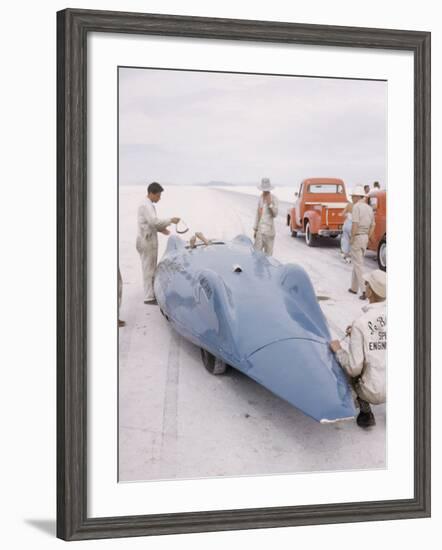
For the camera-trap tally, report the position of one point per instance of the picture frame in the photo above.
(73, 27)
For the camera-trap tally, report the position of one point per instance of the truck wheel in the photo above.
(212, 363)
(292, 233)
(382, 254)
(310, 238)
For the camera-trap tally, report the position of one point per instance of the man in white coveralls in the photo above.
(264, 227)
(362, 228)
(147, 239)
(365, 362)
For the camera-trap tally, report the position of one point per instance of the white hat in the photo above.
(358, 191)
(265, 185)
(378, 282)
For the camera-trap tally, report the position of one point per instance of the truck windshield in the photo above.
(325, 188)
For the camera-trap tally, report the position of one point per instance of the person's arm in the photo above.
(343, 359)
(143, 222)
(355, 221)
(273, 206)
(354, 229)
(355, 362)
(352, 361)
(152, 219)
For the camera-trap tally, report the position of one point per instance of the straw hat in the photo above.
(265, 185)
(358, 191)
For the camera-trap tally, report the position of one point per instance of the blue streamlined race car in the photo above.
(249, 311)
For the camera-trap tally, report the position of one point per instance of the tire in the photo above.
(310, 239)
(382, 254)
(292, 233)
(212, 363)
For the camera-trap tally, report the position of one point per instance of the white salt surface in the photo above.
(177, 420)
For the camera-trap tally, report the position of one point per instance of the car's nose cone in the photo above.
(304, 373)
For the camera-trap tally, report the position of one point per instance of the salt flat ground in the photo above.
(178, 421)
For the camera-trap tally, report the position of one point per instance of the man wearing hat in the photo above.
(361, 230)
(365, 361)
(264, 228)
(149, 225)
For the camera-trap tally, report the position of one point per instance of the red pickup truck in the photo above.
(378, 241)
(318, 210)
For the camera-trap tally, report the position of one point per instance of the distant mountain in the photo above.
(216, 183)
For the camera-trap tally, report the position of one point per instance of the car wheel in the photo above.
(212, 363)
(310, 239)
(382, 254)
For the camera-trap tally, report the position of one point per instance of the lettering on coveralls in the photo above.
(378, 334)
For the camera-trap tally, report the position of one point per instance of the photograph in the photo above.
(201, 361)
(252, 274)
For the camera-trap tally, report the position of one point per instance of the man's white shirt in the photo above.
(148, 222)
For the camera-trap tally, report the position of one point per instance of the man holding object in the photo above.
(147, 239)
(264, 228)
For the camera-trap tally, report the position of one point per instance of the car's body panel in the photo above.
(257, 315)
(380, 218)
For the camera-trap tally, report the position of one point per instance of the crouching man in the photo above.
(365, 362)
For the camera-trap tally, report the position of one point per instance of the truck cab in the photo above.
(318, 210)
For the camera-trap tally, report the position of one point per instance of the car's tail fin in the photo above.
(174, 243)
(301, 300)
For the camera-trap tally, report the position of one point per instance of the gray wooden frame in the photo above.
(73, 27)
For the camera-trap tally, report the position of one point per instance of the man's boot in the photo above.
(365, 418)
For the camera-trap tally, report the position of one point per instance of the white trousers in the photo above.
(148, 251)
(357, 253)
(264, 243)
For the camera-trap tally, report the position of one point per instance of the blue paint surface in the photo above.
(258, 315)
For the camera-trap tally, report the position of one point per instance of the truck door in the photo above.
(298, 207)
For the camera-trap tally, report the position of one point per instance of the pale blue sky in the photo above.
(190, 127)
